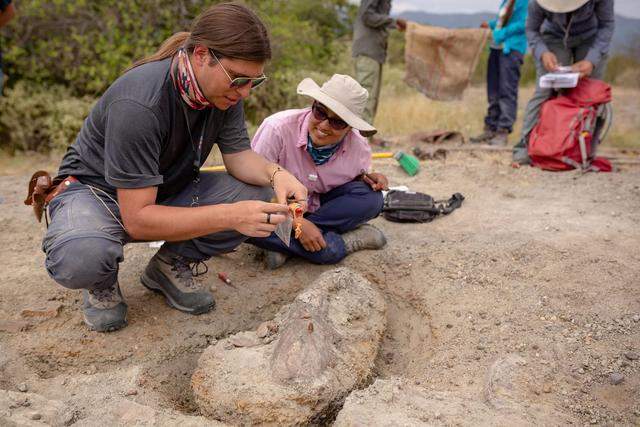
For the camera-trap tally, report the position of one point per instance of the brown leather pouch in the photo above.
(42, 188)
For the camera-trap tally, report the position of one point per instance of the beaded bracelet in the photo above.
(273, 175)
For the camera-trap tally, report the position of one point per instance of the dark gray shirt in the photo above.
(136, 135)
(593, 21)
(371, 29)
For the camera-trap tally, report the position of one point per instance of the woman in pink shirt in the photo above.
(325, 148)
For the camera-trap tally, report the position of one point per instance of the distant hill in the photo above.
(627, 29)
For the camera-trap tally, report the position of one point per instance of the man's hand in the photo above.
(550, 62)
(286, 186)
(584, 67)
(311, 237)
(401, 24)
(251, 217)
(484, 24)
(376, 181)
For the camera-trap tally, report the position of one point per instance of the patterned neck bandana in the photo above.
(321, 155)
(185, 80)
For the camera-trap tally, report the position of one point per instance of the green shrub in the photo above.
(38, 118)
(85, 45)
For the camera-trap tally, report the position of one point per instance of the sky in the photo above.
(629, 8)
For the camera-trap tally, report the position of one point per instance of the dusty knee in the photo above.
(84, 262)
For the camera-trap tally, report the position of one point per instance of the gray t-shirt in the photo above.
(136, 135)
(371, 29)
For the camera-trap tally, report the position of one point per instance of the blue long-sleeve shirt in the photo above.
(512, 36)
(596, 18)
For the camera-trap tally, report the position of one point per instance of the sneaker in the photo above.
(500, 138)
(174, 277)
(364, 237)
(485, 136)
(104, 310)
(521, 156)
(275, 259)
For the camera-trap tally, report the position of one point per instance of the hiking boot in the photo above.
(275, 259)
(521, 156)
(500, 138)
(364, 237)
(174, 277)
(485, 136)
(104, 310)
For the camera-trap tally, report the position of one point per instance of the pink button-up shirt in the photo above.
(282, 139)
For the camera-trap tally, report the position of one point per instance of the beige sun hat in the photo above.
(561, 6)
(342, 95)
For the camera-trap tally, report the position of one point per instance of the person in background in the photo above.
(503, 71)
(7, 12)
(325, 148)
(574, 33)
(370, 36)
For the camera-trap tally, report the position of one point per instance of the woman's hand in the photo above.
(376, 181)
(311, 237)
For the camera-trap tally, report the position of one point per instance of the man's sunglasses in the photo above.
(240, 81)
(321, 114)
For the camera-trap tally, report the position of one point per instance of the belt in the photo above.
(60, 188)
(42, 189)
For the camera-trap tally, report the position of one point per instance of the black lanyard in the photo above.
(197, 153)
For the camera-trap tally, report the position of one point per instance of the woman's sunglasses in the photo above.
(321, 114)
(240, 81)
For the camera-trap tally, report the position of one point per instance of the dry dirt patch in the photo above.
(542, 265)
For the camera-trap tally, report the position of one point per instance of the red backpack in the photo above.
(568, 131)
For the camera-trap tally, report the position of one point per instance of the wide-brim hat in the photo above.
(342, 95)
(561, 6)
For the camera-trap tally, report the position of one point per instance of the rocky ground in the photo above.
(521, 307)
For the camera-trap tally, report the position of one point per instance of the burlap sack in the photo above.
(439, 61)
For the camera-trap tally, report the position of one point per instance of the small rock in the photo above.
(546, 388)
(266, 329)
(449, 326)
(636, 318)
(23, 387)
(132, 392)
(616, 378)
(245, 339)
(48, 311)
(631, 355)
(36, 416)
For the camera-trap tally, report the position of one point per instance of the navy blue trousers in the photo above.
(503, 77)
(341, 209)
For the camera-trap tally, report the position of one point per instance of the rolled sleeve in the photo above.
(268, 142)
(132, 153)
(606, 25)
(233, 136)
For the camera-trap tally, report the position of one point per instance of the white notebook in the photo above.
(561, 79)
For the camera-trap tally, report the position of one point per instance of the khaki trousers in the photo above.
(368, 73)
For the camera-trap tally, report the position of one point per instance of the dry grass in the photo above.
(403, 110)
